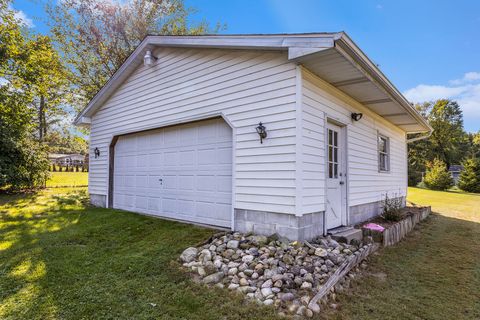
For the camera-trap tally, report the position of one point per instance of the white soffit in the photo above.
(332, 66)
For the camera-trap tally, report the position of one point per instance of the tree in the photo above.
(470, 176)
(437, 177)
(46, 78)
(473, 145)
(23, 160)
(96, 36)
(446, 119)
(65, 142)
(447, 142)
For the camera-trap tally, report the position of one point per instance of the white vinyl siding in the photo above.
(245, 87)
(365, 183)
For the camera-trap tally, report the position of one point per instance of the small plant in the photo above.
(437, 176)
(470, 176)
(391, 208)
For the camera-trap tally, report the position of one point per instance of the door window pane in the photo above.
(333, 157)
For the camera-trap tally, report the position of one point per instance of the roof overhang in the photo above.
(332, 56)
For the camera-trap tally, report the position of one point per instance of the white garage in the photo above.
(316, 136)
(182, 172)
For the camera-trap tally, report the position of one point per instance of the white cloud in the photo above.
(466, 91)
(467, 77)
(20, 15)
(425, 92)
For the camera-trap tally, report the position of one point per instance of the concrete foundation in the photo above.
(366, 211)
(98, 200)
(301, 228)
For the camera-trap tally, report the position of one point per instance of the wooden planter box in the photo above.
(397, 231)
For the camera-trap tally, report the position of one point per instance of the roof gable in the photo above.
(332, 56)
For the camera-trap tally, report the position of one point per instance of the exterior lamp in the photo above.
(357, 116)
(96, 152)
(148, 59)
(262, 132)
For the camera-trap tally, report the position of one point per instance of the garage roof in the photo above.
(334, 57)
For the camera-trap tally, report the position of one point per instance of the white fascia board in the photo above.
(245, 41)
(83, 121)
(297, 52)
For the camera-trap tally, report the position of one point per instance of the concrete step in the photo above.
(346, 236)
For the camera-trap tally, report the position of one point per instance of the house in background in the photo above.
(455, 170)
(296, 134)
(67, 159)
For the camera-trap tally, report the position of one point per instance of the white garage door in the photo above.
(182, 172)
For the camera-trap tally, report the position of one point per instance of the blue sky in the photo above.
(428, 49)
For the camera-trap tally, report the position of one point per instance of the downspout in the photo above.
(429, 133)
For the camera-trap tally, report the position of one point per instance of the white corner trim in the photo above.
(299, 141)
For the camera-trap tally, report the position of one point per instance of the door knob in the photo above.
(341, 182)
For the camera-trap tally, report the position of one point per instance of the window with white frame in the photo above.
(383, 153)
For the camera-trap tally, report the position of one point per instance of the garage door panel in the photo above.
(182, 172)
(186, 207)
(213, 211)
(153, 204)
(169, 205)
(186, 182)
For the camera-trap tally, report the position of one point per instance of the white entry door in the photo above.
(336, 178)
(182, 172)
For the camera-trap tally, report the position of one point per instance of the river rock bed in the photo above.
(270, 270)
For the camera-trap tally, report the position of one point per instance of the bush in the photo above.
(24, 166)
(391, 208)
(470, 176)
(437, 177)
(414, 178)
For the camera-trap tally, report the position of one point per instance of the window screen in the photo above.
(383, 153)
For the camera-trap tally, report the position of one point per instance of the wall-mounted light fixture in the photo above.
(148, 59)
(357, 116)
(96, 152)
(262, 131)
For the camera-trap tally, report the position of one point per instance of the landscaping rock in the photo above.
(189, 254)
(287, 296)
(271, 271)
(213, 278)
(232, 244)
(321, 252)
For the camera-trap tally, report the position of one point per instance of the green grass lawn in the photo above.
(61, 259)
(67, 179)
(432, 274)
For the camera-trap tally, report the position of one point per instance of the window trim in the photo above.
(387, 153)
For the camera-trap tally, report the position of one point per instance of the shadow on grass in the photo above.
(434, 273)
(70, 261)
